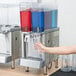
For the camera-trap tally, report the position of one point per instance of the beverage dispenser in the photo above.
(25, 18)
(9, 35)
(32, 58)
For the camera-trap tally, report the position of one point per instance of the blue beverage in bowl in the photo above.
(37, 21)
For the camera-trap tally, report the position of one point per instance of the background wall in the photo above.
(67, 22)
(66, 18)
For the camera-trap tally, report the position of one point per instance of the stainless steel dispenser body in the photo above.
(51, 40)
(10, 45)
(34, 58)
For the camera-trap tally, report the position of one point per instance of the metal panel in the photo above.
(54, 37)
(10, 46)
(5, 43)
(16, 44)
(31, 40)
(34, 63)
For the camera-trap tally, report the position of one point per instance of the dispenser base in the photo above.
(5, 58)
(32, 62)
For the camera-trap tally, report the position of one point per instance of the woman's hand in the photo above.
(40, 46)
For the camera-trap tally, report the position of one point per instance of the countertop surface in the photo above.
(20, 71)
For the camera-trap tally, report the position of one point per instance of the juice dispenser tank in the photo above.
(48, 19)
(54, 18)
(25, 17)
(37, 20)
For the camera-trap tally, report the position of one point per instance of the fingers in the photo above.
(37, 46)
(40, 46)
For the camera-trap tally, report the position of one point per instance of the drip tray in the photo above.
(5, 58)
(32, 62)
